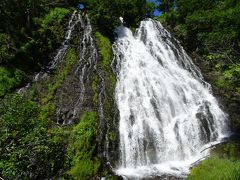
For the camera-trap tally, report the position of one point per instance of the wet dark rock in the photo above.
(75, 94)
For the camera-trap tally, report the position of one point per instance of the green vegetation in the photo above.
(105, 51)
(9, 79)
(26, 53)
(95, 81)
(230, 78)
(34, 147)
(44, 40)
(28, 30)
(58, 14)
(61, 74)
(105, 13)
(31, 145)
(28, 146)
(5, 48)
(216, 168)
(82, 148)
(223, 164)
(228, 151)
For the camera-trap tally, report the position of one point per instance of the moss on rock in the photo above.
(82, 148)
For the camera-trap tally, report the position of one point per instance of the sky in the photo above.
(156, 12)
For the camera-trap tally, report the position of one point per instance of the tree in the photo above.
(6, 48)
(187, 7)
(105, 13)
(166, 5)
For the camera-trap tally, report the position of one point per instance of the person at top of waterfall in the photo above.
(121, 19)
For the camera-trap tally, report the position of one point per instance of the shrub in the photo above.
(57, 15)
(29, 148)
(105, 49)
(9, 79)
(83, 160)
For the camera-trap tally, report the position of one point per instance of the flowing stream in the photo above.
(168, 115)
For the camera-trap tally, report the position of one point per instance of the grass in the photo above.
(216, 168)
(223, 164)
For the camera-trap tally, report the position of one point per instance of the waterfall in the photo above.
(168, 116)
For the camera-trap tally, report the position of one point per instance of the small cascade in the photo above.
(60, 53)
(71, 100)
(72, 24)
(102, 136)
(168, 116)
(75, 95)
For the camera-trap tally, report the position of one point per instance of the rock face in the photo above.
(78, 80)
(89, 87)
(71, 72)
(75, 94)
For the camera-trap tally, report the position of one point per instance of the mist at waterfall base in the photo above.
(168, 116)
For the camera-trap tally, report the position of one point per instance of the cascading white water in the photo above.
(73, 22)
(168, 115)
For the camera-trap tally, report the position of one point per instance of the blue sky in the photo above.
(156, 12)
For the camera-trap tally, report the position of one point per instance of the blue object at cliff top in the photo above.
(81, 6)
